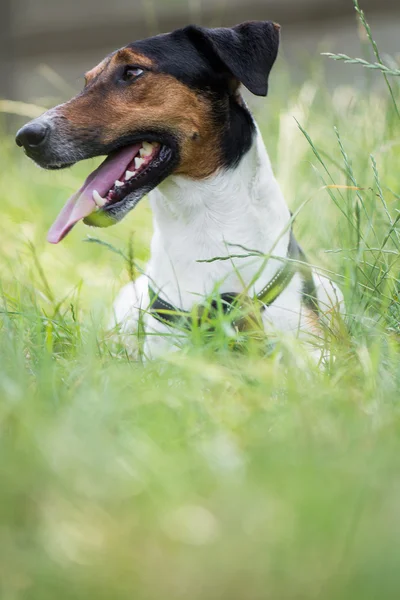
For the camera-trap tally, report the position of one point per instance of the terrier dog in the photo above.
(169, 115)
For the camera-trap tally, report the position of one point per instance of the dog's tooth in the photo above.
(130, 174)
(138, 162)
(100, 202)
(146, 149)
(119, 183)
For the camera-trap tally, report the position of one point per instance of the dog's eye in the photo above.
(132, 73)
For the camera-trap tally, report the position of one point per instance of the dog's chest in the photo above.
(206, 235)
(202, 260)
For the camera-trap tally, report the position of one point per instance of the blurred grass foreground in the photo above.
(210, 474)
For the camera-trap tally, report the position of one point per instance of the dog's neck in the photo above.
(202, 220)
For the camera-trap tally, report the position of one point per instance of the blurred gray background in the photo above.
(47, 45)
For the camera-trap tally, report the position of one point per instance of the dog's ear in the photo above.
(247, 51)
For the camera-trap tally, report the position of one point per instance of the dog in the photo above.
(168, 113)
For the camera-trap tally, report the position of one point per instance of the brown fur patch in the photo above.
(129, 56)
(96, 71)
(154, 101)
(312, 321)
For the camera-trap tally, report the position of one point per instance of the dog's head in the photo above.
(165, 105)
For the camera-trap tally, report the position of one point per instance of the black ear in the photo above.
(248, 51)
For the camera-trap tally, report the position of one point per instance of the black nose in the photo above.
(32, 135)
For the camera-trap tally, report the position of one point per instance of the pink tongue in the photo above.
(81, 204)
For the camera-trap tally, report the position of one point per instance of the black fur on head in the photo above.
(205, 58)
(247, 52)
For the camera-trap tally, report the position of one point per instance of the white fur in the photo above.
(201, 220)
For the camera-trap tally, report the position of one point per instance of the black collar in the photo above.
(166, 313)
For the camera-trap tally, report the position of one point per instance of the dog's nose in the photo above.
(32, 135)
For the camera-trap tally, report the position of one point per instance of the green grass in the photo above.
(212, 473)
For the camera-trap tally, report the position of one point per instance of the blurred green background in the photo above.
(70, 38)
(210, 474)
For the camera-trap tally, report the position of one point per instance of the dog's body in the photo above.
(205, 167)
(218, 217)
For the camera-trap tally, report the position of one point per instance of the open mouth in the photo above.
(114, 188)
